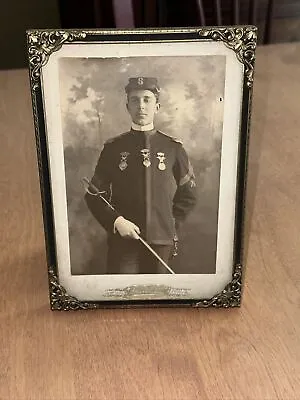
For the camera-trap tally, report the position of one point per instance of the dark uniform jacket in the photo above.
(148, 179)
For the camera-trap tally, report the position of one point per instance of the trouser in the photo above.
(130, 256)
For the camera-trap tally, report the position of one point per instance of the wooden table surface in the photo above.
(248, 353)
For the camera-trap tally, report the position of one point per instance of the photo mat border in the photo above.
(41, 44)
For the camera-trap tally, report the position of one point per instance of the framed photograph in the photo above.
(142, 150)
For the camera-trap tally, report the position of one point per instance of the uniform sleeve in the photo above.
(185, 196)
(102, 181)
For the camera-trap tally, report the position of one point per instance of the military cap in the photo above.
(143, 83)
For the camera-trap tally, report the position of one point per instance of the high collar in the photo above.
(142, 128)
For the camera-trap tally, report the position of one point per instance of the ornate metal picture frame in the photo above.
(166, 193)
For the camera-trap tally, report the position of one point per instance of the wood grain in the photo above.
(247, 353)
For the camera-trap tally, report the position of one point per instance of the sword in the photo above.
(99, 194)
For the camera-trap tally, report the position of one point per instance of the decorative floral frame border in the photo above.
(41, 44)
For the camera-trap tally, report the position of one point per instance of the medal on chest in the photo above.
(123, 162)
(161, 158)
(146, 157)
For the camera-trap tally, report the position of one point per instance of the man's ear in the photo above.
(157, 106)
(127, 106)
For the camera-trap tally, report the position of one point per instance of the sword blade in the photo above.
(156, 255)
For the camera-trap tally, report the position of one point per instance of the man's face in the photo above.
(142, 106)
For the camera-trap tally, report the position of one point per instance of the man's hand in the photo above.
(126, 228)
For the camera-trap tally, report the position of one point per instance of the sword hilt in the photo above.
(99, 193)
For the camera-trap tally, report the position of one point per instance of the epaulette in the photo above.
(175, 139)
(113, 139)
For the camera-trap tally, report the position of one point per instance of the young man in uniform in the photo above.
(148, 179)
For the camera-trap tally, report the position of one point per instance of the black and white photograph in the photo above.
(150, 137)
(143, 145)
